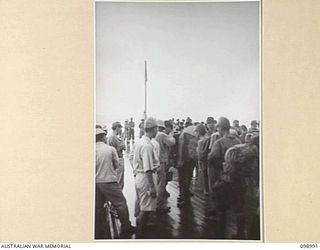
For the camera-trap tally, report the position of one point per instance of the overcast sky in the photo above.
(203, 60)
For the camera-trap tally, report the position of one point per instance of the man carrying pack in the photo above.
(131, 130)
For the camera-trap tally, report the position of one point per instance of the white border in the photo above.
(261, 182)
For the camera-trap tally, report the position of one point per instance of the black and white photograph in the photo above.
(178, 118)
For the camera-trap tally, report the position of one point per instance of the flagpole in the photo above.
(145, 89)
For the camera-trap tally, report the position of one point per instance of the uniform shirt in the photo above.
(106, 162)
(220, 147)
(117, 143)
(156, 150)
(215, 136)
(131, 124)
(144, 156)
(165, 141)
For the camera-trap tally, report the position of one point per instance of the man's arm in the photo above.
(147, 161)
(115, 158)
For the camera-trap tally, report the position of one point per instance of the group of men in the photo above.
(227, 156)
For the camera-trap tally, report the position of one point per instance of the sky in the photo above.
(203, 60)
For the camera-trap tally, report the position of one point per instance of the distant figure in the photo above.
(119, 145)
(202, 150)
(131, 130)
(254, 128)
(126, 130)
(236, 126)
(188, 122)
(243, 134)
(141, 127)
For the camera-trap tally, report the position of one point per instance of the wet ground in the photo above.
(189, 222)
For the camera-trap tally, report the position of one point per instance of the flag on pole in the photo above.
(145, 72)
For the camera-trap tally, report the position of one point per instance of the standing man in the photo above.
(236, 127)
(145, 177)
(108, 188)
(216, 157)
(220, 146)
(131, 130)
(166, 140)
(126, 134)
(254, 128)
(211, 125)
(187, 160)
(141, 127)
(119, 145)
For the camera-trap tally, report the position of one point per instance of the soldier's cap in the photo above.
(150, 123)
(201, 129)
(210, 120)
(115, 125)
(161, 124)
(224, 123)
(99, 131)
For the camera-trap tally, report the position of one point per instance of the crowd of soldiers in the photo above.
(226, 156)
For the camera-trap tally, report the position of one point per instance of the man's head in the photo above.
(254, 124)
(200, 130)
(211, 123)
(100, 135)
(117, 127)
(131, 119)
(161, 126)
(169, 126)
(151, 127)
(236, 123)
(243, 128)
(223, 124)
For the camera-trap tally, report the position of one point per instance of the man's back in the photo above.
(165, 142)
(117, 143)
(221, 145)
(143, 156)
(106, 163)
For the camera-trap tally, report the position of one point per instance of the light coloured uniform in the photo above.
(145, 159)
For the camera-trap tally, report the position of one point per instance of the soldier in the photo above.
(144, 159)
(238, 189)
(187, 160)
(220, 146)
(119, 145)
(166, 141)
(108, 188)
(131, 130)
(141, 127)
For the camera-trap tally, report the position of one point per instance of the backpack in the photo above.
(204, 149)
